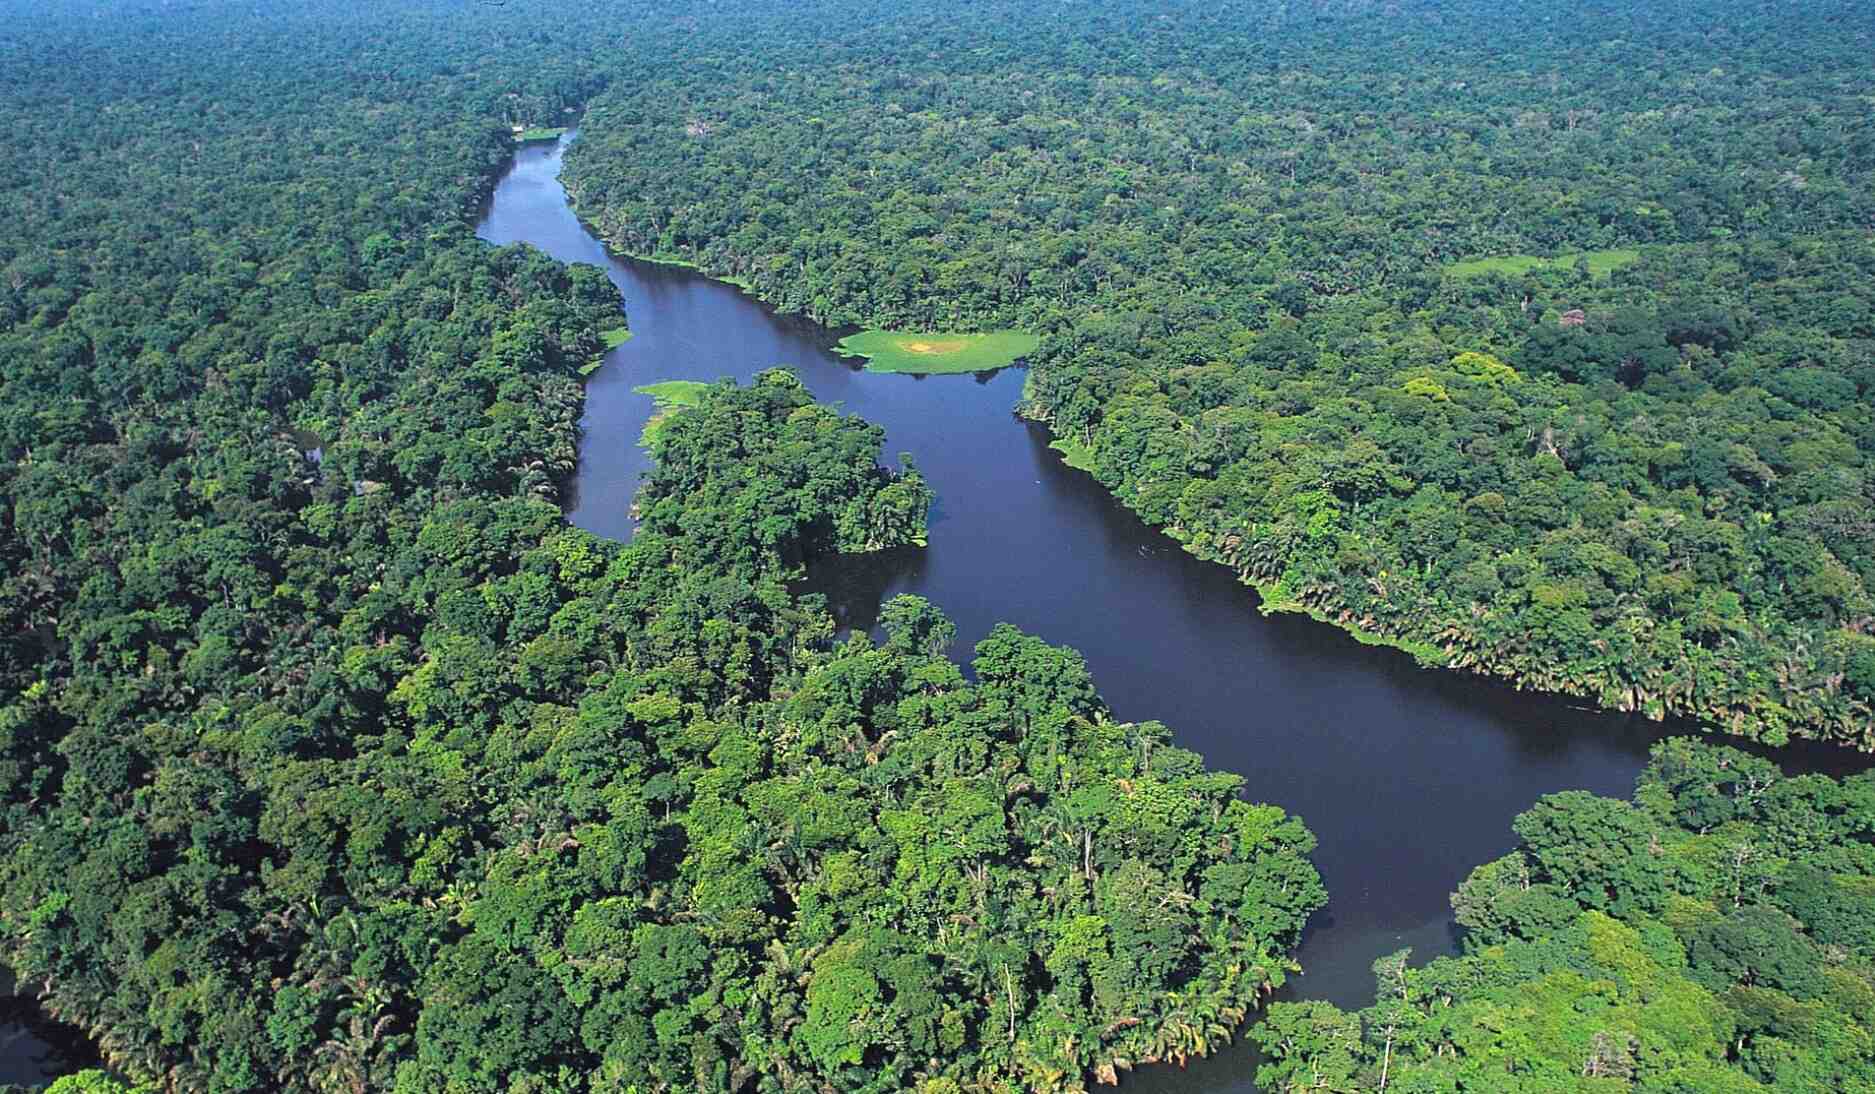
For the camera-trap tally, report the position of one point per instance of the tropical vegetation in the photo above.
(1537, 339)
(1714, 934)
(333, 759)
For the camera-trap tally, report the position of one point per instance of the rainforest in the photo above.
(727, 546)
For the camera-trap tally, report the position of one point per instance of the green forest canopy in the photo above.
(1536, 339)
(368, 772)
(1716, 934)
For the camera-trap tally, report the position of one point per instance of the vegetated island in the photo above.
(540, 133)
(938, 354)
(671, 396)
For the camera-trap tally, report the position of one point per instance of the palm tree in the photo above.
(346, 1062)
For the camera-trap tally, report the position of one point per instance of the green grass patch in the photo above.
(887, 351)
(671, 397)
(668, 259)
(664, 258)
(541, 133)
(1601, 263)
(612, 339)
(1074, 453)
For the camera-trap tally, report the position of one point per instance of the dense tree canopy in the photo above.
(331, 758)
(1537, 339)
(1717, 933)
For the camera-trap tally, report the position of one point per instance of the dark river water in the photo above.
(1408, 777)
(35, 1049)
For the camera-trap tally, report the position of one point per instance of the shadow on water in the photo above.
(1408, 777)
(34, 1048)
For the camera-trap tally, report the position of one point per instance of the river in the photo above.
(34, 1047)
(1409, 777)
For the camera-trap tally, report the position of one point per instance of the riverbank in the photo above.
(682, 263)
(1699, 689)
(670, 397)
(1345, 734)
(609, 340)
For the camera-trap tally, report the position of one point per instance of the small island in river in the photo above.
(938, 354)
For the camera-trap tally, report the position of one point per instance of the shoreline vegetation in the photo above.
(1074, 453)
(1273, 598)
(1441, 643)
(610, 340)
(620, 249)
(1721, 892)
(665, 259)
(938, 354)
(671, 397)
(1546, 429)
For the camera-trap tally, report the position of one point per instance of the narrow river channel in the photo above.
(1408, 777)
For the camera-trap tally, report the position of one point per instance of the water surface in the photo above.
(1409, 777)
(34, 1047)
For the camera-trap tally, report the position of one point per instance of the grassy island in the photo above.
(886, 351)
(541, 133)
(671, 396)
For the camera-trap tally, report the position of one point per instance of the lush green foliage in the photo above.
(1251, 234)
(95, 1082)
(1715, 934)
(669, 397)
(364, 771)
(938, 354)
(1599, 263)
(807, 485)
(608, 340)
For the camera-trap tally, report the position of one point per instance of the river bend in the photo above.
(1409, 777)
